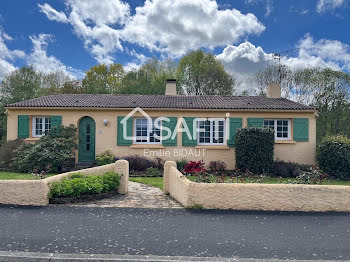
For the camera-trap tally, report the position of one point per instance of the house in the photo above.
(105, 122)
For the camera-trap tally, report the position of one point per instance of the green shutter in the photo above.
(235, 123)
(56, 121)
(255, 122)
(172, 126)
(301, 129)
(23, 126)
(121, 141)
(186, 141)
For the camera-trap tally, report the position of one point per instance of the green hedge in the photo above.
(78, 184)
(254, 148)
(334, 156)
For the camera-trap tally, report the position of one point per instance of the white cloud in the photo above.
(325, 5)
(171, 27)
(175, 27)
(269, 6)
(322, 53)
(7, 56)
(53, 14)
(246, 59)
(45, 63)
(93, 21)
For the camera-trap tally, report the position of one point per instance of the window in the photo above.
(282, 128)
(41, 126)
(211, 132)
(143, 132)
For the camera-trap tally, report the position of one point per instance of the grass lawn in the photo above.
(17, 176)
(152, 181)
(158, 181)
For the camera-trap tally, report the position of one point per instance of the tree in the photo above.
(150, 78)
(200, 73)
(53, 82)
(103, 79)
(272, 74)
(328, 91)
(21, 84)
(72, 87)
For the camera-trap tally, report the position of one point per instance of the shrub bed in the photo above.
(288, 169)
(105, 158)
(52, 153)
(78, 185)
(254, 149)
(334, 156)
(7, 152)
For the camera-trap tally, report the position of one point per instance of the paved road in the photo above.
(175, 232)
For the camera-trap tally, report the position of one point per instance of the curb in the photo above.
(12, 256)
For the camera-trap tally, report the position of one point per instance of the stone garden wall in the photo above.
(240, 196)
(35, 192)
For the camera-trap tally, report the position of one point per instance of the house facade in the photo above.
(128, 124)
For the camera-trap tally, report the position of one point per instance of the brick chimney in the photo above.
(170, 88)
(274, 90)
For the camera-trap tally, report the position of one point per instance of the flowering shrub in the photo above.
(313, 177)
(194, 168)
(55, 149)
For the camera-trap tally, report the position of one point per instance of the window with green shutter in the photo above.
(186, 139)
(56, 121)
(235, 123)
(121, 140)
(171, 124)
(23, 126)
(255, 122)
(301, 129)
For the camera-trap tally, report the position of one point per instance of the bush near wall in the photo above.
(51, 152)
(334, 156)
(105, 158)
(77, 185)
(254, 148)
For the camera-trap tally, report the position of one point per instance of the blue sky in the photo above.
(73, 35)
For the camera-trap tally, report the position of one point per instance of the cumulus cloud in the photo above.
(7, 56)
(45, 63)
(53, 14)
(93, 22)
(175, 27)
(245, 59)
(325, 5)
(170, 27)
(322, 53)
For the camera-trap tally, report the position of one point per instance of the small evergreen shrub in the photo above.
(288, 169)
(181, 164)
(77, 185)
(254, 148)
(217, 166)
(7, 152)
(152, 171)
(54, 150)
(139, 163)
(105, 158)
(334, 156)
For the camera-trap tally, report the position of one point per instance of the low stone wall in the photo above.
(269, 197)
(35, 192)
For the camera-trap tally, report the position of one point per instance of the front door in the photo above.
(87, 130)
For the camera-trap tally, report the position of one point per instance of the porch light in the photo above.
(105, 122)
